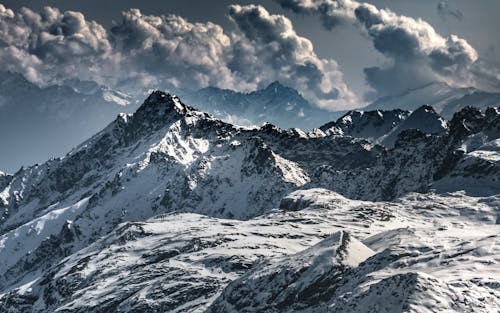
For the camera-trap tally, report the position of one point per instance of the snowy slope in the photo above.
(420, 247)
(419, 263)
(295, 280)
(162, 209)
(370, 125)
(424, 119)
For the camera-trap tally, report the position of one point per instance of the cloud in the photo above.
(416, 53)
(268, 45)
(36, 44)
(332, 13)
(445, 10)
(174, 51)
(4, 12)
(167, 51)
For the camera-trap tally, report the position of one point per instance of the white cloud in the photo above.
(51, 42)
(416, 53)
(272, 50)
(167, 51)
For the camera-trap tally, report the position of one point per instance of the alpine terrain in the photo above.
(445, 99)
(170, 209)
(283, 106)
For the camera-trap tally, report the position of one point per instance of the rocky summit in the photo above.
(170, 209)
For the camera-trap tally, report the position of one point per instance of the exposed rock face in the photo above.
(4, 180)
(383, 127)
(370, 125)
(121, 210)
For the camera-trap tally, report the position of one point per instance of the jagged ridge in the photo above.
(170, 157)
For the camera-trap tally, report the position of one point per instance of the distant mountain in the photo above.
(446, 100)
(424, 119)
(370, 125)
(384, 127)
(277, 104)
(43, 122)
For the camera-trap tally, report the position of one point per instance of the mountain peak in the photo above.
(276, 103)
(278, 87)
(426, 108)
(158, 96)
(157, 111)
(425, 119)
(160, 103)
(274, 84)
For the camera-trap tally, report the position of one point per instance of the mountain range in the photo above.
(170, 209)
(277, 104)
(383, 127)
(47, 121)
(51, 120)
(446, 100)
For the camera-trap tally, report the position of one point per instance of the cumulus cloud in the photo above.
(173, 51)
(167, 51)
(332, 13)
(51, 42)
(4, 12)
(268, 47)
(445, 10)
(416, 53)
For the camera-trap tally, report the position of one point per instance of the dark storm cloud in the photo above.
(445, 10)
(416, 53)
(167, 51)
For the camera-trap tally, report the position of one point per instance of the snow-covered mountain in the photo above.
(369, 125)
(42, 122)
(384, 127)
(172, 210)
(4, 179)
(424, 119)
(277, 104)
(446, 100)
